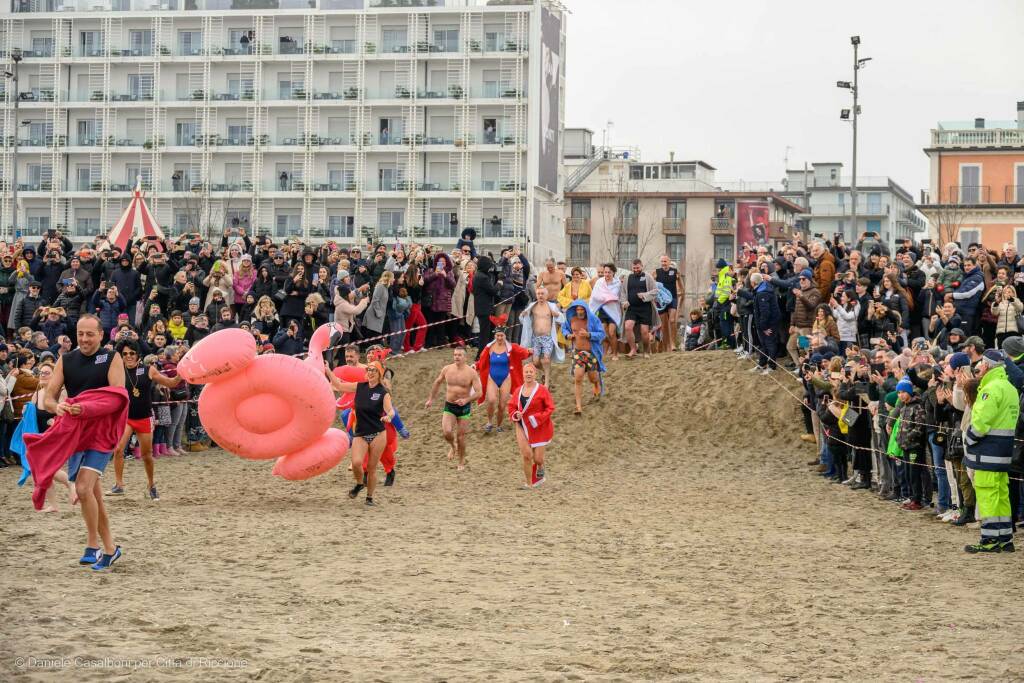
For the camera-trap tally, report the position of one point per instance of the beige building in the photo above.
(624, 208)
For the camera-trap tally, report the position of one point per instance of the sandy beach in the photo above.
(680, 536)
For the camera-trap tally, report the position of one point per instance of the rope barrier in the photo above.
(800, 400)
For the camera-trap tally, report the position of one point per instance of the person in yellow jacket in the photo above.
(576, 288)
(723, 292)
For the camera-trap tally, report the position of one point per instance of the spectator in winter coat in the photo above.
(26, 310)
(806, 300)
(71, 300)
(79, 274)
(128, 282)
(54, 325)
(967, 297)
(439, 285)
(49, 276)
(824, 269)
(485, 296)
(289, 340)
(767, 317)
(107, 303)
(242, 280)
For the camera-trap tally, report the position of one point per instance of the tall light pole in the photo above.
(13, 75)
(858, 64)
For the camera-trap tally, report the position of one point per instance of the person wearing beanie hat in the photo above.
(912, 441)
(959, 360)
(721, 264)
(195, 300)
(1013, 346)
(988, 451)
(806, 300)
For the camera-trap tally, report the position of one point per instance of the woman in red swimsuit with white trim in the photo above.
(530, 408)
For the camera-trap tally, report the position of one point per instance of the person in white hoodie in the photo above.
(846, 311)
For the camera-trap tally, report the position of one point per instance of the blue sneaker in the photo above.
(89, 557)
(106, 560)
(116, 491)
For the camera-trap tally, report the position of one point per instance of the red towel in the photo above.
(98, 428)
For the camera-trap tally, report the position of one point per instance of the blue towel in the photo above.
(28, 425)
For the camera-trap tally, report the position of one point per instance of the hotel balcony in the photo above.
(723, 226)
(975, 195)
(577, 226)
(672, 225)
(625, 225)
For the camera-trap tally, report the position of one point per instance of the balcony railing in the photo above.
(625, 225)
(673, 225)
(577, 226)
(979, 137)
(722, 226)
(975, 195)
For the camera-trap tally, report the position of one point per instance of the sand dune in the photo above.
(679, 537)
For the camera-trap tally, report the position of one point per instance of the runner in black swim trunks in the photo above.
(372, 408)
(462, 384)
(672, 280)
(638, 295)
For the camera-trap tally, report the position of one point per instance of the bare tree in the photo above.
(949, 218)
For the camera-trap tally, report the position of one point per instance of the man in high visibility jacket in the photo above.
(988, 451)
(723, 292)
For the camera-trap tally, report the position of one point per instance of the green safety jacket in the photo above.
(989, 442)
(724, 287)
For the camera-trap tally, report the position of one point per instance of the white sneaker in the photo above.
(951, 516)
(766, 371)
(754, 369)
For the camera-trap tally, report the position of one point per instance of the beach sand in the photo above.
(680, 536)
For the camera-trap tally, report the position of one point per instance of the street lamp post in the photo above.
(852, 114)
(13, 75)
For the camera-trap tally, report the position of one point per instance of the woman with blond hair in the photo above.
(314, 315)
(264, 318)
(19, 279)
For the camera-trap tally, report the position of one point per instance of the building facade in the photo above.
(883, 206)
(976, 183)
(320, 119)
(626, 208)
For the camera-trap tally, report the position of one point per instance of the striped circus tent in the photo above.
(136, 222)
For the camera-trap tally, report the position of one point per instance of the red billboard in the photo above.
(751, 225)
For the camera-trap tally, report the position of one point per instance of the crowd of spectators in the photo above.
(911, 364)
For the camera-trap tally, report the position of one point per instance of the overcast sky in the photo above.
(733, 83)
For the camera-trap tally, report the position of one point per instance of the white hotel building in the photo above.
(319, 119)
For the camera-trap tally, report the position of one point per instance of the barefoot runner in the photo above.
(530, 408)
(541, 321)
(373, 410)
(500, 368)
(139, 383)
(462, 383)
(584, 332)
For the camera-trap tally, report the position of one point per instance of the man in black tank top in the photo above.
(88, 367)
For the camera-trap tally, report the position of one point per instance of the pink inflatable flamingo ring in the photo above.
(270, 406)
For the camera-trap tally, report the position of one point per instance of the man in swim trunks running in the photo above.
(542, 319)
(462, 383)
(584, 362)
(88, 367)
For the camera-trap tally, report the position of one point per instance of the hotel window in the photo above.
(579, 249)
(675, 248)
(724, 247)
(968, 236)
(625, 248)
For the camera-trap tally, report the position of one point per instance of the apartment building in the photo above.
(319, 119)
(976, 183)
(619, 207)
(883, 206)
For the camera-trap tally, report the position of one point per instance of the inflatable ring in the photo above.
(265, 407)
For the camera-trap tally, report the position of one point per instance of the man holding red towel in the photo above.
(87, 424)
